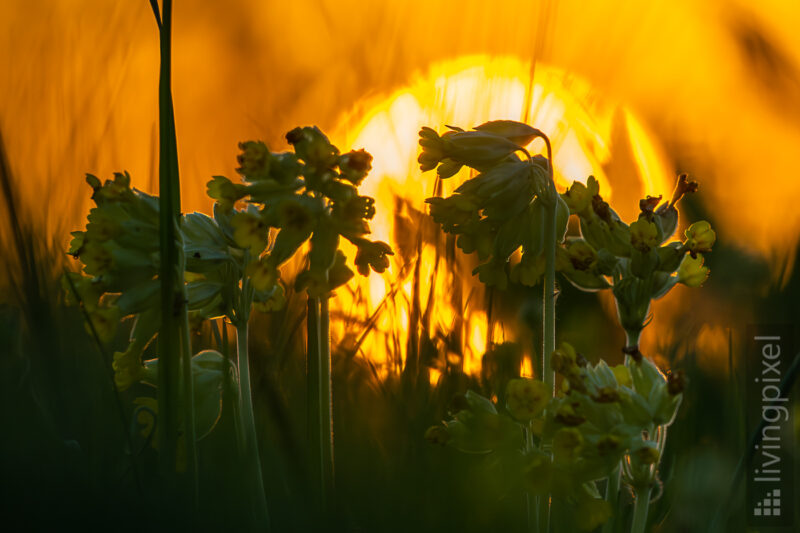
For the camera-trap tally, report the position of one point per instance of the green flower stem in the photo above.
(549, 320)
(248, 424)
(326, 394)
(631, 343)
(319, 414)
(612, 497)
(543, 513)
(189, 420)
(640, 508)
(549, 298)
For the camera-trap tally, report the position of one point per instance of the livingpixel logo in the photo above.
(770, 480)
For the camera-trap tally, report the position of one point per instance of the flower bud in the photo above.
(224, 191)
(128, 367)
(517, 132)
(648, 453)
(262, 274)
(623, 375)
(579, 196)
(592, 513)
(608, 444)
(683, 187)
(644, 235)
(700, 237)
(271, 300)
(96, 258)
(254, 161)
(492, 274)
(313, 147)
(355, 165)
(676, 382)
(478, 149)
(437, 435)
(529, 271)
(567, 415)
(448, 168)
(691, 272)
(567, 445)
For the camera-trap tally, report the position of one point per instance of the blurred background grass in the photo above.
(716, 88)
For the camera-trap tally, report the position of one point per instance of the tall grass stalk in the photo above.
(175, 371)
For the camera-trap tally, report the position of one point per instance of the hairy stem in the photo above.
(319, 398)
(248, 424)
(550, 201)
(612, 497)
(549, 296)
(189, 421)
(640, 507)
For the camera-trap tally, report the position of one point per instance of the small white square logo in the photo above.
(770, 505)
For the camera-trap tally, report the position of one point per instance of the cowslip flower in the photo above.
(372, 255)
(254, 161)
(224, 191)
(526, 398)
(644, 235)
(263, 275)
(249, 232)
(128, 367)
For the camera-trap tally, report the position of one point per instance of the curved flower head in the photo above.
(432, 149)
(519, 133)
